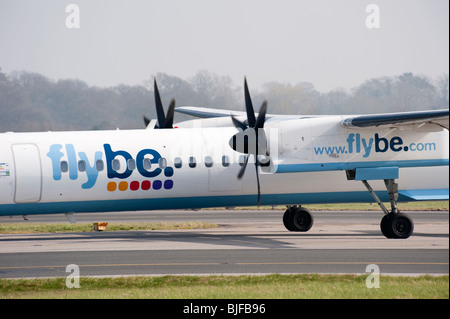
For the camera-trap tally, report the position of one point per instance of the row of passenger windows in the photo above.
(192, 162)
(147, 164)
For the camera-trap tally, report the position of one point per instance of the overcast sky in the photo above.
(325, 42)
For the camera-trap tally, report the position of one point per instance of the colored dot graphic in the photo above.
(136, 185)
(123, 186)
(144, 185)
(112, 186)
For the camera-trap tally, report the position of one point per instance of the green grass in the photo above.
(311, 286)
(27, 228)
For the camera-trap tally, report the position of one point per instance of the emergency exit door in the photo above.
(27, 164)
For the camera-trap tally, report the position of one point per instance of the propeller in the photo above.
(251, 137)
(163, 120)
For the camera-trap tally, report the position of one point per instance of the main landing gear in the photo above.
(393, 225)
(297, 218)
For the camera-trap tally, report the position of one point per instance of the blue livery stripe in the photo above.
(318, 167)
(213, 201)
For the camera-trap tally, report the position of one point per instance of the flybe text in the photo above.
(78, 162)
(377, 144)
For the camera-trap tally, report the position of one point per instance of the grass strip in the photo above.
(30, 228)
(274, 286)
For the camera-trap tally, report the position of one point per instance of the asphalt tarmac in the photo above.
(245, 242)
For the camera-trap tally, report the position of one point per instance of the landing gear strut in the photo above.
(394, 224)
(297, 218)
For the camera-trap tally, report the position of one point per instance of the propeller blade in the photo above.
(238, 124)
(170, 112)
(259, 125)
(254, 124)
(159, 107)
(249, 106)
(261, 116)
(146, 120)
(257, 182)
(242, 171)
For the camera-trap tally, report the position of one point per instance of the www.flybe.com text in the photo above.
(378, 144)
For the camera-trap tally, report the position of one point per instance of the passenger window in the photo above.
(208, 161)
(64, 166)
(131, 164)
(81, 166)
(192, 162)
(116, 164)
(147, 164)
(162, 162)
(99, 165)
(178, 162)
(225, 161)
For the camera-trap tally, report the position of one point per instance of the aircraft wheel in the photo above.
(397, 225)
(287, 219)
(298, 219)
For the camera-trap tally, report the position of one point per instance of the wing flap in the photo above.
(438, 117)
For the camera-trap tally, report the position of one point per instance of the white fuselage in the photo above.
(60, 172)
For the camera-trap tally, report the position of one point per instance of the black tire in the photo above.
(298, 219)
(385, 226)
(287, 220)
(397, 225)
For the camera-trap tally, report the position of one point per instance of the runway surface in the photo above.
(245, 242)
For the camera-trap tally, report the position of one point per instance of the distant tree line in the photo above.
(32, 102)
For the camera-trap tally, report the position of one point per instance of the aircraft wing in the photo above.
(204, 112)
(438, 117)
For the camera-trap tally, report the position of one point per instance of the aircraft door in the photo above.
(6, 175)
(27, 164)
